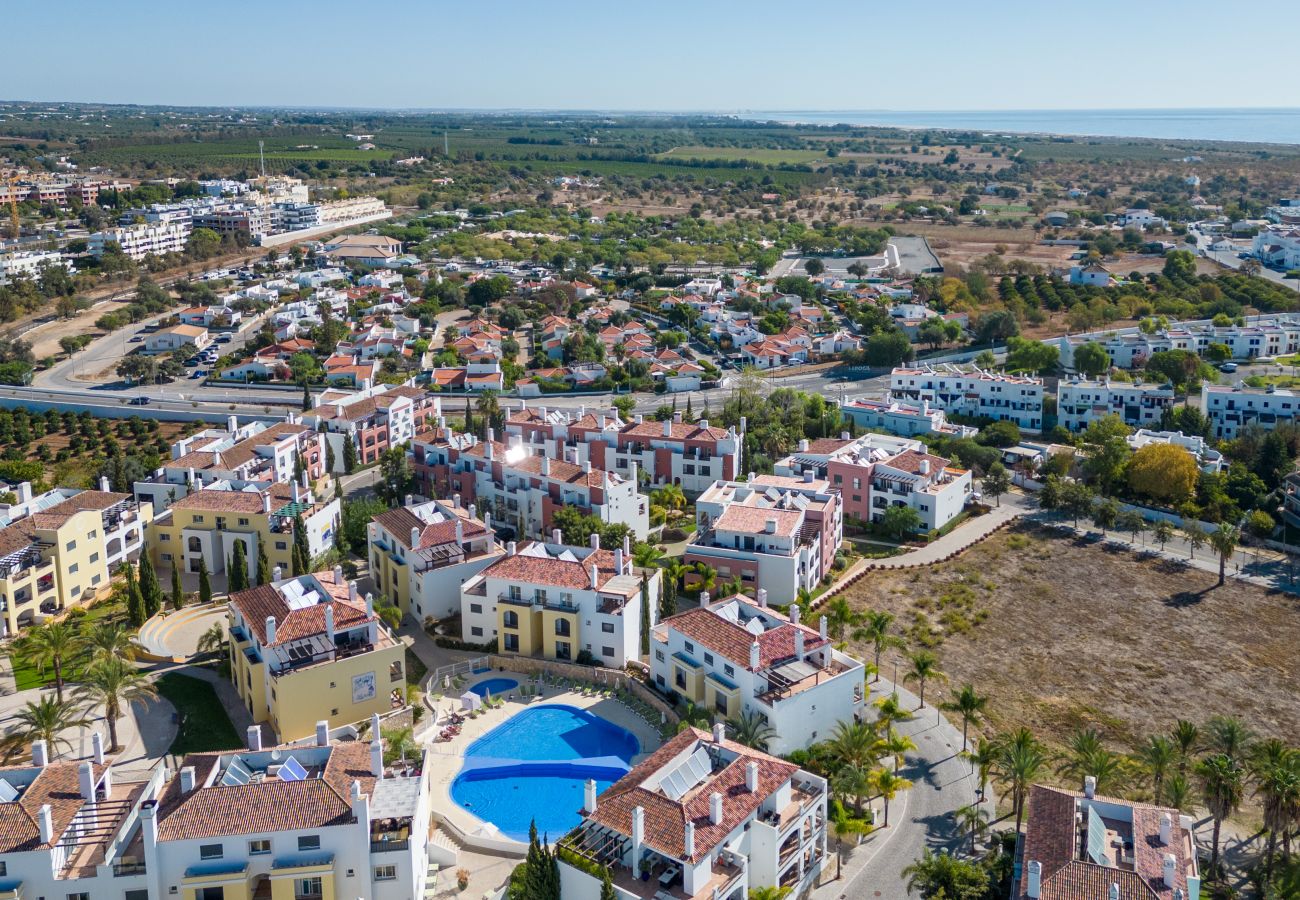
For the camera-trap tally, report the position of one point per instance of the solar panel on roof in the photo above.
(8, 794)
(1096, 838)
(236, 773)
(292, 770)
(699, 765)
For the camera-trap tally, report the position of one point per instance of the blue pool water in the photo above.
(496, 686)
(534, 766)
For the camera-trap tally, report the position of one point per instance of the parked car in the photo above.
(137, 339)
(1228, 367)
(139, 401)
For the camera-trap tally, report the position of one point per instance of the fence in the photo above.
(528, 665)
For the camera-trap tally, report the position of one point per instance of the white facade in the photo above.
(139, 241)
(1139, 405)
(1279, 245)
(903, 419)
(1209, 459)
(1230, 409)
(1275, 334)
(1013, 398)
(28, 264)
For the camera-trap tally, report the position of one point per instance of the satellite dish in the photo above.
(275, 755)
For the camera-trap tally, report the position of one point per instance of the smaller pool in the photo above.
(495, 686)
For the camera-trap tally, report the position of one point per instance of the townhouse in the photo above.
(520, 488)
(559, 602)
(59, 549)
(310, 649)
(701, 818)
(974, 392)
(1210, 460)
(906, 419)
(29, 264)
(1232, 408)
(242, 455)
(205, 524)
(1279, 245)
(875, 472)
(373, 419)
(739, 655)
(1129, 348)
(773, 532)
(1080, 402)
(692, 456)
(421, 554)
(1082, 846)
(223, 317)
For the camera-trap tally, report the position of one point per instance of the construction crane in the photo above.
(11, 182)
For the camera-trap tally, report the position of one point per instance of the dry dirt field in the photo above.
(1061, 635)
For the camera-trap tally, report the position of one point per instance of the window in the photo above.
(385, 873)
(690, 648)
(659, 655)
(730, 670)
(476, 631)
(708, 658)
(307, 887)
(309, 842)
(259, 848)
(243, 523)
(72, 569)
(281, 545)
(79, 896)
(659, 679)
(511, 643)
(167, 557)
(510, 619)
(476, 607)
(165, 536)
(681, 678)
(563, 628)
(607, 627)
(210, 851)
(198, 520)
(137, 894)
(94, 533)
(606, 651)
(72, 545)
(94, 557)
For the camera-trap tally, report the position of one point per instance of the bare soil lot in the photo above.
(1062, 635)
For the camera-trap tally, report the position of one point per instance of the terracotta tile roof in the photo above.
(557, 469)
(730, 640)
(59, 785)
(256, 604)
(59, 513)
(15, 538)
(267, 806)
(399, 522)
(754, 519)
(238, 454)
(678, 431)
(826, 446)
(910, 461)
(222, 501)
(665, 819)
(547, 570)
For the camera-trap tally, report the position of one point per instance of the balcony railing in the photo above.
(121, 869)
(389, 846)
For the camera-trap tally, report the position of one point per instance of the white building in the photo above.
(1230, 409)
(1279, 245)
(1140, 218)
(28, 264)
(166, 340)
(904, 419)
(710, 818)
(1082, 402)
(139, 241)
(1091, 274)
(1209, 459)
(740, 655)
(1275, 334)
(974, 392)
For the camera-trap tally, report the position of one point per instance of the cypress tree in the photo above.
(178, 592)
(263, 564)
(238, 572)
(329, 457)
(134, 603)
(607, 887)
(349, 454)
(690, 415)
(301, 551)
(150, 590)
(469, 418)
(306, 396)
(205, 586)
(645, 615)
(297, 468)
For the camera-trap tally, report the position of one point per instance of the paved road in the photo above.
(1230, 260)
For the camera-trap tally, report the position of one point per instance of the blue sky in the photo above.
(633, 54)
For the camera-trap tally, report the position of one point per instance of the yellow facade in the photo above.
(168, 538)
(688, 680)
(392, 578)
(284, 880)
(248, 673)
(722, 698)
(560, 627)
(527, 628)
(234, 885)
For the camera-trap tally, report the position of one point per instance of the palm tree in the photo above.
(399, 743)
(888, 785)
(1222, 785)
(983, 757)
(1178, 791)
(1187, 738)
(769, 893)
(708, 577)
(114, 684)
(972, 819)
(1227, 735)
(1021, 761)
(875, 630)
(109, 640)
(694, 717)
(1079, 749)
(646, 555)
(489, 408)
(46, 719)
(890, 711)
(969, 705)
(840, 617)
(1157, 756)
(54, 644)
(1275, 775)
(674, 571)
(671, 498)
(212, 640)
(844, 826)
(925, 667)
(853, 743)
(751, 729)
(732, 586)
(853, 781)
(1224, 540)
(896, 745)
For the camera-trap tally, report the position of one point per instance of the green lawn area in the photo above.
(766, 155)
(26, 674)
(204, 724)
(1282, 382)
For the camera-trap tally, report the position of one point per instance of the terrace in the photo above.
(791, 677)
(591, 845)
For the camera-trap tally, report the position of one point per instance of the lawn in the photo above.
(26, 675)
(204, 724)
(1062, 635)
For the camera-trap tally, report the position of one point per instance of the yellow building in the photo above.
(308, 649)
(62, 552)
(205, 525)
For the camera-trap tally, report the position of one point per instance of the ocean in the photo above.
(1269, 126)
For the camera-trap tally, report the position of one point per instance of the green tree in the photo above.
(887, 786)
(1107, 449)
(925, 668)
(607, 886)
(1157, 757)
(1162, 533)
(876, 629)
(300, 557)
(349, 454)
(968, 704)
(1222, 783)
(263, 562)
(1194, 534)
(205, 586)
(46, 720)
(150, 590)
(1105, 514)
(238, 571)
(1091, 359)
(131, 590)
(1021, 763)
(997, 481)
(1028, 355)
(941, 876)
(751, 729)
(178, 591)
(898, 522)
(1224, 540)
(395, 478)
(114, 684)
(53, 645)
(110, 640)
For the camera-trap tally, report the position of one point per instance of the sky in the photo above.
(705, 55)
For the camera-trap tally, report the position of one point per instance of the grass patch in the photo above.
(204, 724)
(28, 676)
(415, 668)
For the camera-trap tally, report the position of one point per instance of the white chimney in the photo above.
(751, 777)
(808, 476)
(40, 754)
(370, 605)
(794, 613)
(106, 783)
(377, 757)
(762, 598)
(97, 747)
(329, 623)
(798, 643)
(754, 655)
(1034, 880)
(638, 839)
(232, 423)
(1166, 829)
(803, 445)
(595, 577)
(618, 561)
(410, 500)
(719, 732)
(511, 548)
(46, 820)
(473, 511)
(1090, 786)
(546, 465)
(86, 781)
(1171, 869)
(594, 541)
(352, 591)
(704, 423)
(103, 484)
(769, 527)
(415, 537)
(704, 598)
(822, 627)
(924, 467)
(276, 573)
(668, 428)
(253, 737)
(689, 841)
(266, 501)
(187, 779)
(270, 630)
(557, 537)
(627, 546)
(589, 796)
(322, 733)
(715, 808)
(338, 574)
(844, 436)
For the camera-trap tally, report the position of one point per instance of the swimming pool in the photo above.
(533, 767)
(495, 686)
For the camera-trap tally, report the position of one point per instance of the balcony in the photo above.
(129, 867)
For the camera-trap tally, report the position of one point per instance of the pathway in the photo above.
(920, 817)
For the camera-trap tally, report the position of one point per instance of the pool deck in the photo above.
(448, 757)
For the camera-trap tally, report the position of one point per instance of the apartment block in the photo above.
(139, 241)
(1230, 409)
(774, 532)
(906, 419)
(309, 649)
(1081, 846)
(29, 264)
(205, 524)
(701, 818)
(1129, 348)
(1209, 459)
(59, 550)
(374, 418)
(973, 392)
(1081, 402)
(421, 554)
(692, 456)
(740, 655)
(556, 601)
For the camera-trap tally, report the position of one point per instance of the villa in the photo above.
(741, 655)
(701, 818)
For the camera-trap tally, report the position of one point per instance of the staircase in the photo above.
(443, 850)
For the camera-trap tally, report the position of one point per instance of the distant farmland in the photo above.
(764, 155)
